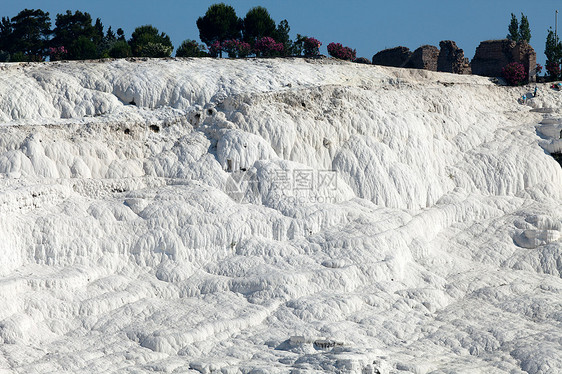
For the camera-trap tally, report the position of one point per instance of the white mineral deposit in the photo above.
(276, 216)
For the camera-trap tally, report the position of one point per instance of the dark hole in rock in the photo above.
(210, 112)
(557, 156)
(127, 131)
(132, 102)
(303, 105)
(196, 119)
(154, 128)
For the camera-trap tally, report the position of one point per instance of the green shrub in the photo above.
(156, 50)
(147, 41)
(120, 49)
(19, 57)
(190, 48)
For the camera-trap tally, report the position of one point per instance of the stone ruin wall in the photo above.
(451, 59)
(525, 54)
(425, 57)
(395, 57)
(490, 57)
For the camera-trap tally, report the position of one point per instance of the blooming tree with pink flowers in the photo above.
(236, 48)
(215, 49)
(267, 46)
(57, 53)
(337, 50)
(311, 46)
(514, 73)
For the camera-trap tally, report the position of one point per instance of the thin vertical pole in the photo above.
(556, 26)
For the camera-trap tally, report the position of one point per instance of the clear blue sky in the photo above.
(368, 26)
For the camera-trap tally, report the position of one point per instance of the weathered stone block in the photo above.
(492, 55)
(362, 60)
(425, 57)
(396, 57)
(451, 59)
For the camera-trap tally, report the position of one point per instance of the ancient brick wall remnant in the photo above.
(362, 60)
(425, 57)
(396, 57)
(451, 59)
(492, 55)
(490, 58)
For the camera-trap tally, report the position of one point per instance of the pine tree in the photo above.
(107, 41)
(30, 34)
(513, 29)
(76, 33)
(6, 30)
(282, 36)
(553, 52)
(524, 29)
(98, 32)
(282, 31)
(219, 23)
(257, 24)
(550, 46)
(110, 35)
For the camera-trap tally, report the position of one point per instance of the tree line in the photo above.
(75, 36)
(519, 31)
(29, 36)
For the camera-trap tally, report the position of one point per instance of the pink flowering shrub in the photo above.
(311, 46)
(514, 73)
(553, 69)
(267, 46)
(244, 49)
(215, 49)
(539, 69)
(339, 51)
(57, 53)
(236, 48)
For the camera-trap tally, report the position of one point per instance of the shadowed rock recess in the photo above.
(276, 216)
